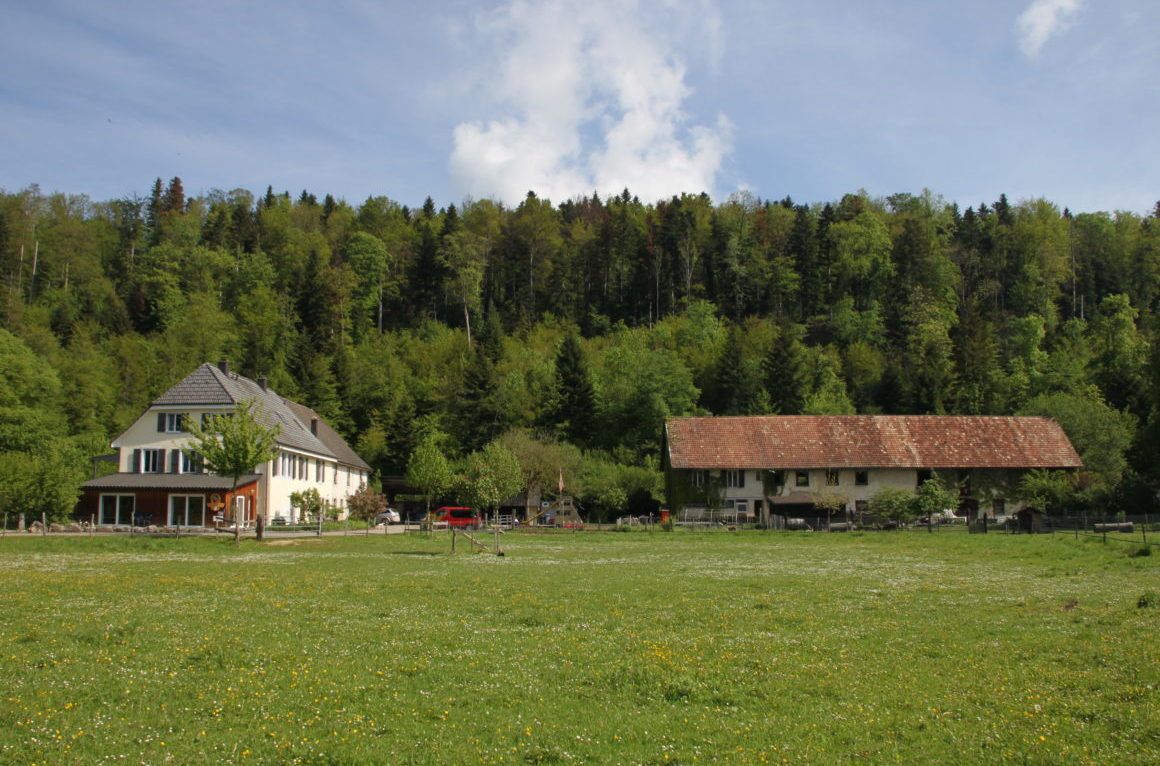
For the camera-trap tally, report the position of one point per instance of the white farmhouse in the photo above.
(158, 481)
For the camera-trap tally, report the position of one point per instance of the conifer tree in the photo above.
(574, 410)
(479, 415)
(786, 372)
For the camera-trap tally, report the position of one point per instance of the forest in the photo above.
(569, 331)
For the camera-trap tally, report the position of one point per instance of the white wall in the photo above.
(275, 489)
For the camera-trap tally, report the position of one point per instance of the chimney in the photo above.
(314, 426)
(263, 382)
(224, 366)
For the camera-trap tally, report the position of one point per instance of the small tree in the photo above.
(428, 470)
(490, 476)
(831, 501)
(893, 504)
(234, 444)
(308, 502)
(935, 496)
(365, 504)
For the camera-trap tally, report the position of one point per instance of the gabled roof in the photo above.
(327, 435)
(211, 386)
(868, 441)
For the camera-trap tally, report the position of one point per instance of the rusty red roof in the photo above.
(868, 441)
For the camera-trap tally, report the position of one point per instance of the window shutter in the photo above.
(175, 461)
(161, 422)
(136, 467)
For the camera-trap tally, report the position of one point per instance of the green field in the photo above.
(647, 648)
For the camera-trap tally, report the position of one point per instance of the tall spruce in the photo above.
(786, 371)
(574, 410)
(480, 416)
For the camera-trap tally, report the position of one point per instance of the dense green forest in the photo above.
(571, 330)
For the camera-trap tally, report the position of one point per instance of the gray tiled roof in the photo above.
(328, 436)
(209, 386)
(175, 481)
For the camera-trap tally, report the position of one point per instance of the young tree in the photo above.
(490, 476)
(365, 504)
(893, 504)
(308, 502)
(428, 470)
(234, 444)
(935, 496)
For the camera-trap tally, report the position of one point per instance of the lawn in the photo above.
(633, 648)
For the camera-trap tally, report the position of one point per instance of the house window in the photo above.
(186, 511)
(923, 476)
(742, 509)
(861, 478)
(831, 477)
(735, 479)
(171, 422)
(191, 462)
(152, 461)
(1000, 507)
(698, 478)
(319, 471)
(801, 479)
(117, 509)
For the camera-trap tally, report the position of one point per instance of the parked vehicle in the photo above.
(388, 516)
(465, 518)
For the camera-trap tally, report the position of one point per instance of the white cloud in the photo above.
(1042, 20)
(593, 94)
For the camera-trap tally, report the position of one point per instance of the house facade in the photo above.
(159, 481)
(768, 467)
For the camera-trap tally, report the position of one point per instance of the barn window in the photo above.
(802, 479)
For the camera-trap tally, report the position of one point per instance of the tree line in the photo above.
(575, 327)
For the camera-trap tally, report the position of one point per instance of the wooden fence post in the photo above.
(43, 524)
(92, 523)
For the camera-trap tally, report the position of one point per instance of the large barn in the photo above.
(759, 468)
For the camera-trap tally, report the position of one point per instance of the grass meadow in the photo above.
(611, 648)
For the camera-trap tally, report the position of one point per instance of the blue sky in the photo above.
(1031, 98)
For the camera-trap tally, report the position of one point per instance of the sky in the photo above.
(467, 99)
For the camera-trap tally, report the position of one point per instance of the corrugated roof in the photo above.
(209, 386)
(868, 441)
(169, 481)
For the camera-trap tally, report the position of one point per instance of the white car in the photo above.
(388, 516)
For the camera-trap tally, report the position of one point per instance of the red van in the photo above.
(457, 517)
